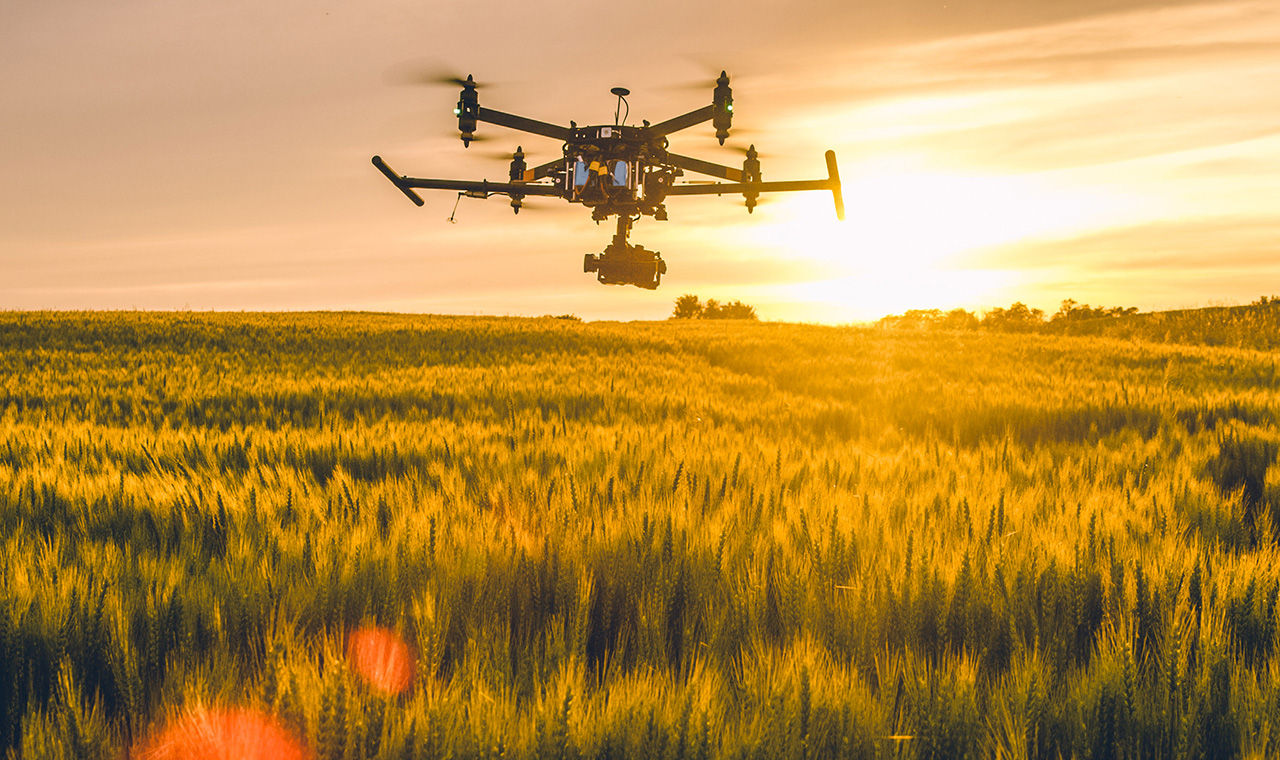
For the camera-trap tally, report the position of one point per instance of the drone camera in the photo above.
(623, 264)
(643, 272)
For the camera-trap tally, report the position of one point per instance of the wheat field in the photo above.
(665, 540)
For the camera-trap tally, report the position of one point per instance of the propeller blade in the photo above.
(497, 155)
(417, 74)
(708, 69)
(691, 85)
(741, 151)
(411, 123)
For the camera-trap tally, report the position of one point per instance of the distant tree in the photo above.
(737, 310)
(931, 319)
(1017, 318)
(687, 307)
(959, 319)
(913, 319)
(1067, 311)
(1073, 311)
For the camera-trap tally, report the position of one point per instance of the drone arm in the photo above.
(407, 184)
(720, 188)
(532, 126)
(690, 119)
(483, 186)
(544, 170)
(832, 183)
(396, 180)
(705, 167)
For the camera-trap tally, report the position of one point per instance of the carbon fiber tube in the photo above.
(396, 180)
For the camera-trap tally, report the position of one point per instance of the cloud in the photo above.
(1086, 49)
(1080, 93)
(1164, 264)
(1232, 244)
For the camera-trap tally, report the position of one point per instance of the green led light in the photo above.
(729, 107)
(457, 111)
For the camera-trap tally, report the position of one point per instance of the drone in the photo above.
(615, 169)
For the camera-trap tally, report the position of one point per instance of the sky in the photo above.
(181, 155)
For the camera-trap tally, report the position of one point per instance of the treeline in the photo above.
(1255, 325)
(1017, 318)
(689, 307)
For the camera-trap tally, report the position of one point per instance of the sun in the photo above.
(913, 238)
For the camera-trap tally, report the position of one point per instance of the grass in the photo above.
(700, 540)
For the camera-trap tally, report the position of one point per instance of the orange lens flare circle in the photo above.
(224, 734)
(382, 658)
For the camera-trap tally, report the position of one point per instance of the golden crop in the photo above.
(643, 540)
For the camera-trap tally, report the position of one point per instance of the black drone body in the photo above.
(615, 169)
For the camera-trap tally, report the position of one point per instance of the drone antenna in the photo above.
(454, 213)
(622, 93)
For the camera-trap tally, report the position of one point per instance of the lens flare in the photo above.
(382, 658)
(224, 734)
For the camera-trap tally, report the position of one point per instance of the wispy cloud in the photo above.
(1079, 93)
(1241, 245)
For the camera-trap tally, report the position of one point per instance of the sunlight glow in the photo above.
(913, 233)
